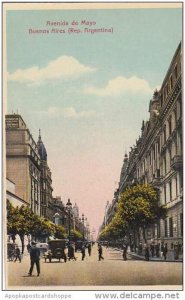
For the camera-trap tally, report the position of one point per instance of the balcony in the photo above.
(156, 181)
(177, 162)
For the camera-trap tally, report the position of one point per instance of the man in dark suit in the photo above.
(17, 254)
(124, 251)
(100, 252)
(34, 258)
(83, 251)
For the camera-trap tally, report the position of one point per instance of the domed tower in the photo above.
(76, 211)
(154, 107)
(41, 148)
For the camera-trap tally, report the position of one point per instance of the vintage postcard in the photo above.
(92, 146)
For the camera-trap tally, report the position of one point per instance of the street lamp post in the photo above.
(83, 219)
(69, 207)
(56, 218)
(88, 231)
(93, 234)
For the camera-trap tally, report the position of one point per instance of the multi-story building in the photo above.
(29, 179)
(27, 167)
(23, 161)
(156, 158)
(45, 180)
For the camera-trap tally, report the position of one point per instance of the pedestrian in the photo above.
(124, 251)
(162, 248)
(140, 248)
(147, 255)
(89, 249)
(152, 249)
(17, 254)
(165, 250)
(71, 252)
(176, 251)
(83, 251)
(28, 247)
(157, 247)
(34, 258)
(100, 252)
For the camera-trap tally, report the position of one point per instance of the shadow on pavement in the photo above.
(115, 259)
(54, 262)
(29, 276)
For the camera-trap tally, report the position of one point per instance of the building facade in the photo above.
(11, 195)
(29, 179)
(157, 158)
(27, 167)
(46, 189)
(23, 161)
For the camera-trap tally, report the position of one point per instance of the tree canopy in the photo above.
(138, 207)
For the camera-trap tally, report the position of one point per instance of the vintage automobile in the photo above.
(56, 250)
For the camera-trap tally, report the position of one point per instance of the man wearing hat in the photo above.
(34, 258)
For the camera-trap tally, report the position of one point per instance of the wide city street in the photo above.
(112, 271)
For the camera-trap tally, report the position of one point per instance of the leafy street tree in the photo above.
(140, 207)
(115, 230)
(60, 232)
(18, 221)
(76, 235)
(22, 221)
(41, 228)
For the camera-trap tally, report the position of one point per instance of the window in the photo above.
(176, 72)
(180, 107)
(180, 142)
(164, 165)
(158, 230)
(164, 133)
(175, 117)
(165, 193)
(171, 82)
(166, 91)
(166, 228)
(150, 159)
(158, 146)
(170, 154)
(181, 224)
(170, 190)
(154, 152)
(161, 100)
(170, 125)
(176, 186)
(171, 226)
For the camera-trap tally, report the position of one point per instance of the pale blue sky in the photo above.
(89, 118)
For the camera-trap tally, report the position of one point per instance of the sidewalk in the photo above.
(170, 257)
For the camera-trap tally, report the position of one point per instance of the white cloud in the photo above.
(121, 85)
(67, 112)
(60, 68)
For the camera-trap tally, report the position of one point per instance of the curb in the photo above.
(139, 257)
(153, 259)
